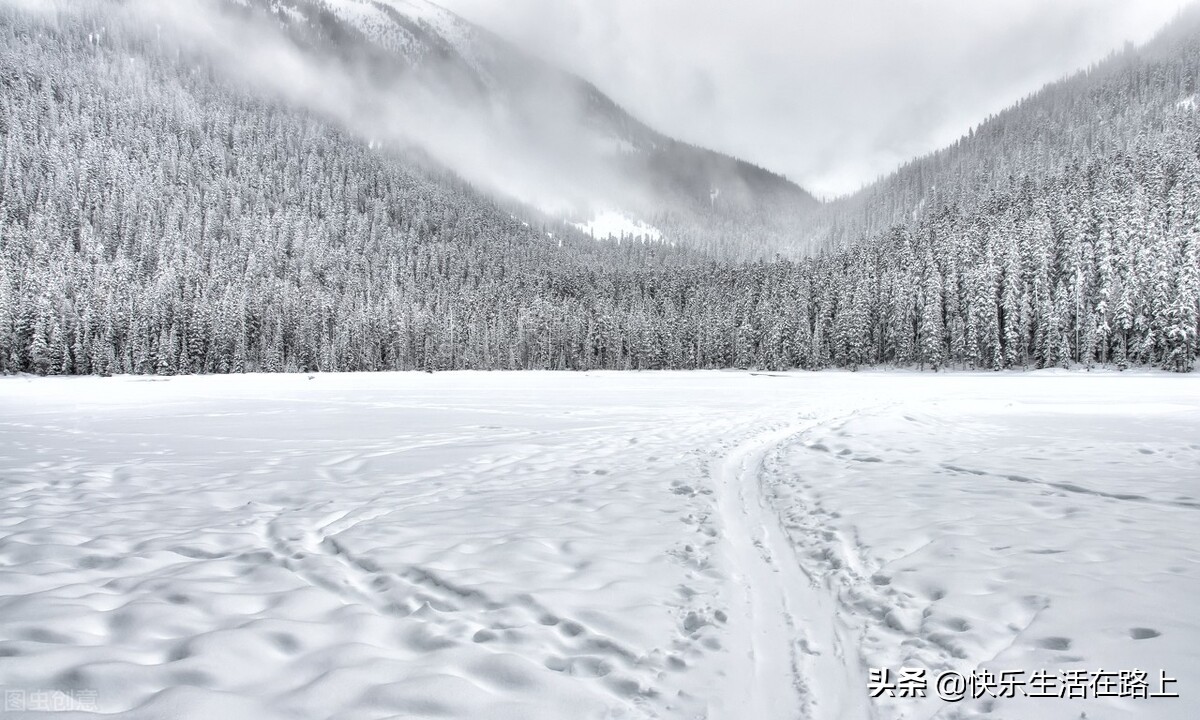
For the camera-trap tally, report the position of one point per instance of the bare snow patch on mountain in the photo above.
(612, 145)
(611, 224)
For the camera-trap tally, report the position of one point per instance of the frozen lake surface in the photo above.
(720, 545)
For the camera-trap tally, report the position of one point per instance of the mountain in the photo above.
(184, 190)
(1102, 111)
(539, 135)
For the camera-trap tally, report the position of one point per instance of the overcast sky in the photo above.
(831, 93)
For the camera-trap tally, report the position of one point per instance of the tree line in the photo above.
(156, 219)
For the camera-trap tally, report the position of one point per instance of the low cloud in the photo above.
(493, 145)
(833, 94)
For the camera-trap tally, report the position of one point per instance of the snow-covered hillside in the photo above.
(569, 146)
(592, 545)
(414, 28)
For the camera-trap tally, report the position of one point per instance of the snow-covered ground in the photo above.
(610, 225)
(720, 545)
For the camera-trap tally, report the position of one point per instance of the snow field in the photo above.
(609, 224)
(593, 545)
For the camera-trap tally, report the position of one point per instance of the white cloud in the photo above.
(832, 93)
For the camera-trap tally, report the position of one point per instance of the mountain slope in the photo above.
(162, 211)
(538, 134)
(1098, 112)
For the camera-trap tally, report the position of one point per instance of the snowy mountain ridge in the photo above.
(235, 196)
(403, 26)
(544, 136)
(1100, 111)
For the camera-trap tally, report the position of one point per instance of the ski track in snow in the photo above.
(792, 640)
(602, 546)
